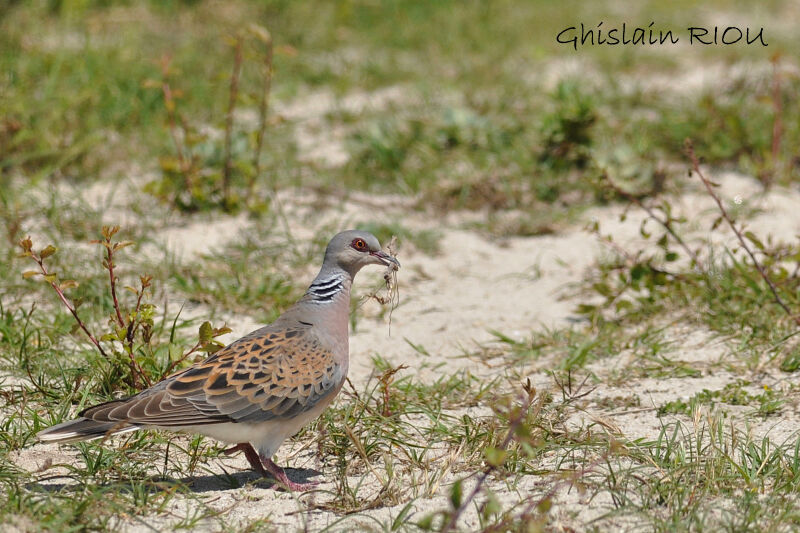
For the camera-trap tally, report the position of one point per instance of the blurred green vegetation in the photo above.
(486, 95)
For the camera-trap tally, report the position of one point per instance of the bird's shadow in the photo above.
(227, 481)
(197, 484)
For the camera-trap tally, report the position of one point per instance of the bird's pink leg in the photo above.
(251, 454)
(259, 462)
(278, 473)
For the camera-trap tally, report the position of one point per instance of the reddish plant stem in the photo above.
(129, 334)
(133, 325)
(176, 362)
(172, 122)
(527, 511)
(512, 429)
(173, 127)
(69, 306)
(263, 108)
(666, 224)
(233, 96)
(137, 372)
(113, 281)
(777, 105)
(696, 167)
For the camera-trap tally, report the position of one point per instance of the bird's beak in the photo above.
(386, 259)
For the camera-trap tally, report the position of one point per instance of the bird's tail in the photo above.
(82, 429)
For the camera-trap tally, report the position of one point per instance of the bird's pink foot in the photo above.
(267, 468)
(279, 474)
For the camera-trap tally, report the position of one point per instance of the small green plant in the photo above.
(755, 282)
(567, 130)
(213, 168)
(133, 356)
(528, 430)
(767, 403)
(231, 282)
(401, 152)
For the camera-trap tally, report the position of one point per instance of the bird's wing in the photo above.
(265, 375)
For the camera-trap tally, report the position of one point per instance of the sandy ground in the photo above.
(450, 304)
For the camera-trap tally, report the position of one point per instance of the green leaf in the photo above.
(47, 252)
(222, 331)
(206, 332)
(492, 505)
(68, 284)
(51, 278)
(455, 494)
(495, 456)
(426, 522)
(638, 271)
(29, 274)
(601, 288)
(123, 244)
(623, 305)
(401, 518)
(212, 347)
(174, 352)
(643, 232)
(26, 244)
(544, 505)
(755, 240)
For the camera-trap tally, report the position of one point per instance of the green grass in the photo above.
(726, 296)
(246, 279)
(705, 475)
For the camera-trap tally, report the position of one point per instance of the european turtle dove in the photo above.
(262, 388)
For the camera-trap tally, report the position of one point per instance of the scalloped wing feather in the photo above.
(263, 376)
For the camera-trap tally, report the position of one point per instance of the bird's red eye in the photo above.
(359, 244)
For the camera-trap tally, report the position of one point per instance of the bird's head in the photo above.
(354, 249)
